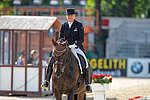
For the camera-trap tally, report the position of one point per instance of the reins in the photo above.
(60, 50)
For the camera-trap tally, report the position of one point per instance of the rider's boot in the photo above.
(88, 79)
(45, 84)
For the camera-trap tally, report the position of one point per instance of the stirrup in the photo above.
(43, 85)
(88, 89)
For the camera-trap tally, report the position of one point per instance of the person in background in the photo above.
(33, 60)
(21, 60)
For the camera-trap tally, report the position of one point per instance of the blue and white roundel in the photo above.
(137, 67)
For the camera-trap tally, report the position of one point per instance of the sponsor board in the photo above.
(138, 68)
(110, 72)
(108, 64)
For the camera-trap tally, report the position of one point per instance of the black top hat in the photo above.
(70, 11)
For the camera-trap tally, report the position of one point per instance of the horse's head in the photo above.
(60, 48)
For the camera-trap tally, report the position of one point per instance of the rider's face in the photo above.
(70, 17)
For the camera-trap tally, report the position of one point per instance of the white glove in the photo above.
(72, 46)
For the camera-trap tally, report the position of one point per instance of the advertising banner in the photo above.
(114, 67)
(138, 68)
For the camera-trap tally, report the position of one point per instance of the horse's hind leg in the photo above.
(58, 96)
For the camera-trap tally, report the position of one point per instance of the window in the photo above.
(5, 48)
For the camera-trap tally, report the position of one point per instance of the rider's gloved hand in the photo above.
(60, 40)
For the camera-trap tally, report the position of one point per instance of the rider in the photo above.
(73, 32)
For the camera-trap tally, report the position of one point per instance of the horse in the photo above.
(66, 78)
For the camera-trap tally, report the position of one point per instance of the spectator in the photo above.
(33, 60)
(21, 60)
(23, 52)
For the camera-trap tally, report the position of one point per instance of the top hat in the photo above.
(70, 11)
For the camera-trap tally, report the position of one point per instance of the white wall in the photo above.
(123, 30)
(5, 78)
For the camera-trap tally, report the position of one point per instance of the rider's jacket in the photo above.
(74, 34)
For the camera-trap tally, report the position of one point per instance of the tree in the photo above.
(141, 8)
(131, 7)
(5, 3)
(123, 8)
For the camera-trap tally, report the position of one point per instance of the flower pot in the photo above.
(99, 91)
(106, 87)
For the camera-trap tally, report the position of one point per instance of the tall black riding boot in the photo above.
(88, 79)
(45, 84)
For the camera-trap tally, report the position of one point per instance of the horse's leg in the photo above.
(76, 97)
(81, 96)
(71, 96)
(58, 95)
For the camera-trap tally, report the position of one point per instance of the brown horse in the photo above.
(66, 78)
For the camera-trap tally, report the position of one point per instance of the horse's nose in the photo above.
(58, 74)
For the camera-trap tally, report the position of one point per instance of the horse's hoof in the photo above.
(51, 94)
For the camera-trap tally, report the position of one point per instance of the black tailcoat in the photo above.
(75, 34)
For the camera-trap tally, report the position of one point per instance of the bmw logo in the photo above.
(137, 67)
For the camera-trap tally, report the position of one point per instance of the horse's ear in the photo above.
(64, 43)
(54, 42)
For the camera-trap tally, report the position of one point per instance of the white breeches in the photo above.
(79, 51)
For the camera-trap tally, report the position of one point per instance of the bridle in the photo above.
(58, 56)
(60, 50)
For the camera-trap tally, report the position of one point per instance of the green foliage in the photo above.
(45, 3)
(90, 5)
(121, 8)
(60, 2)
(76, 2)
(25, 2)
(5, 3)
(141, 8)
